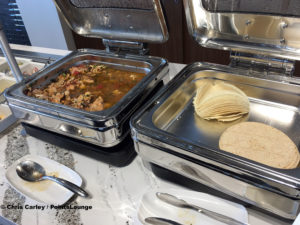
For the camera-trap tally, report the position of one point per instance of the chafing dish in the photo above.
(124, 29)
(104, 128)
(168, 134)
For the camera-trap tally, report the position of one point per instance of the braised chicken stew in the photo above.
(90, 87)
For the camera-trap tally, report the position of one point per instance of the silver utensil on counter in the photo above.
(175, 201)
(160, 221)
(32, 171)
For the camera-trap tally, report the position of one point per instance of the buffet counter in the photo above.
(116, 192)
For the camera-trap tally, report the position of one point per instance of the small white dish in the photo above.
(151, 206)
(6, 82)
(4, 112)
(5, 69)
(44, 192)
(29, 69)
(297, 220)
(6, 117)
(2, 60)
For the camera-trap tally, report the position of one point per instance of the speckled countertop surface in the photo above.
(116, 192)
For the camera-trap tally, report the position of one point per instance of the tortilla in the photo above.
(214, 128)
(261, 143)
(220, 101)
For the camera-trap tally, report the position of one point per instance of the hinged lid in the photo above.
(258, 65)
(269, 27)
(124, 47)
(123, 20)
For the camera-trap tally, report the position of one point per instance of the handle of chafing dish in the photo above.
(9, 56)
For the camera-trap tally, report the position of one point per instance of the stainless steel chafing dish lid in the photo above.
(154, 68)
(269, 27)
(124, 20)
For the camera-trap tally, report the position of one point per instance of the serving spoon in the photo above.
(32, 171)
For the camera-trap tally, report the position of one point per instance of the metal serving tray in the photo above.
(104, 128)
(167, 133)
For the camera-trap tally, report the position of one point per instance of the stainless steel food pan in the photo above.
(167, 133)
(104, 128)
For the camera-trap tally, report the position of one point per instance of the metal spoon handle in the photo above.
(72, 187)
(217, 216)
(160, 221)
(173, 200)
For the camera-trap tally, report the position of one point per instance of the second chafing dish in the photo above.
(103, 128)
(169, 135)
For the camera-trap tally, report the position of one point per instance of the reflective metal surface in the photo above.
(275, 107)
(178, 202)
(124, 46)
(267, 34)
(160, 221)
(9, 56)
(262, 64)
(143, 22)
(127, 4)
(278, 7)
(220, 180)
(104, 128)
(168, 133)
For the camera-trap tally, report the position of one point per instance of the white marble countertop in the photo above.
(116, 192)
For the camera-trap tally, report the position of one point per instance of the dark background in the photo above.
(12, 23)
(180, 48)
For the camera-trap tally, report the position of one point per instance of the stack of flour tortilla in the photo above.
(219, 100)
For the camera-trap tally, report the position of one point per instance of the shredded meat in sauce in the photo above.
(89, 87)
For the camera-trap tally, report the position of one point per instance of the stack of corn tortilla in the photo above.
(261, 143)
(219, 100)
